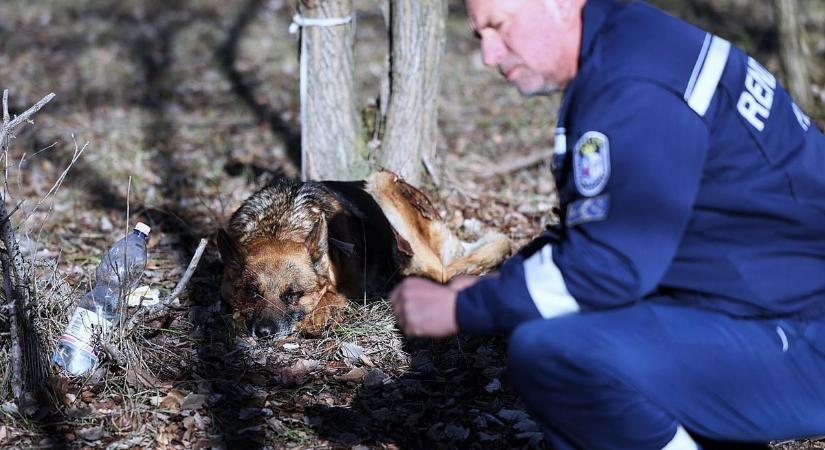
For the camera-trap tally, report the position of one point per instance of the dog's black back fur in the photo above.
(362, 241)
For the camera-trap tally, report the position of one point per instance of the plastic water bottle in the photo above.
(116, 276)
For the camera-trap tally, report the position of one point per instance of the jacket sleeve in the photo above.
(657, 147)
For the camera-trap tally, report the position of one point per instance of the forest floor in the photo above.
(183, 109)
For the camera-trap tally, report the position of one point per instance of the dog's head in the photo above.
(275, 283)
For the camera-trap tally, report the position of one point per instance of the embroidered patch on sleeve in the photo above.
(591, 163)
(588, 210)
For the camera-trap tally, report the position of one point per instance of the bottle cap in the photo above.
(143, 228)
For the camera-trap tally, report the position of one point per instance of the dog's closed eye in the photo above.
(253, 292)
(291, 296)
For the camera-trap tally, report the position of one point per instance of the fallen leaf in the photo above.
(512, 415)
(172, 400)
(10, 408)
(87, 396)
(59, 386)
(189, 425)
(493, 386)
(355, 374)
(298, 373)
(456, 433)
(484, 437)
(125, 421)
(366, 360)
(143, 296)
(351, 351)
(141, 378)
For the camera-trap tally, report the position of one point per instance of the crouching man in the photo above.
(682, 294)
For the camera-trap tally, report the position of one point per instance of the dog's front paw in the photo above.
(328, 306)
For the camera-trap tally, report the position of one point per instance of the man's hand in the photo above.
(425, 308)
(460, 282)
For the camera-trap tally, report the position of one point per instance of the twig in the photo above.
(514, 164)
(428, 166)
(112, 351)
(158, 309)
(78, 151)
(13, 210)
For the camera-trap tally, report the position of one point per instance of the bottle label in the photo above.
(82, 328)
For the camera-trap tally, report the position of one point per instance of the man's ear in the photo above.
(230, 255)
(316, 241)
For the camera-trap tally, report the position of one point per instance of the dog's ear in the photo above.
(230, 255)
(316, 241)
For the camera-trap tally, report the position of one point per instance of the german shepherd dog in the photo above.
(294, 252)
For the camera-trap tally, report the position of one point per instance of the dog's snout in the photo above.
(263, 329)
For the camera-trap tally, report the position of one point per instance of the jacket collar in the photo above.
(594, 15)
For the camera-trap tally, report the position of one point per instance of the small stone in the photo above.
(91, 434)
(374, 377)
(192, 401)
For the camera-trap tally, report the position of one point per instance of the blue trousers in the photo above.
(625, 379)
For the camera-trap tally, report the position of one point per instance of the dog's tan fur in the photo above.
(437, 253)
(294, 251)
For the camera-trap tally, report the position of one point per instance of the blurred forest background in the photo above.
(183, 109)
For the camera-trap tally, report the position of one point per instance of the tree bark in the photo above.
(410, 127)
(330, 140)
(793, 52)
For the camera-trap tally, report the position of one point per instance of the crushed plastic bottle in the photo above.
(116, 276)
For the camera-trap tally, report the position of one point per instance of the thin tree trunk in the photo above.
(410, 127)
(793, 52)
(330, 140)
(29, 360)
(384, 86)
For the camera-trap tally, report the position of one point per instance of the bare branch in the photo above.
(25, 116)
(161, 307)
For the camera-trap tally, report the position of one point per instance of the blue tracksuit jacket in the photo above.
(685, 171)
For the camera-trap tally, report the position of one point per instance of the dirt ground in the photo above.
(183, 109)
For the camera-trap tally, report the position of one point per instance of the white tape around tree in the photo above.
(299, 21)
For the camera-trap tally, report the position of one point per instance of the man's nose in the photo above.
(492, 49)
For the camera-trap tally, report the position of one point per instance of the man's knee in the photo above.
(540, 346)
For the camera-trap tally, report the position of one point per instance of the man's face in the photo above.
(534, 43)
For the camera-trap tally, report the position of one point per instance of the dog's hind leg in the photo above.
(436, 252)
(480, 256)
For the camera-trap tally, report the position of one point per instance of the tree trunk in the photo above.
(330, 142)
(410, 127)
(793, 52)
